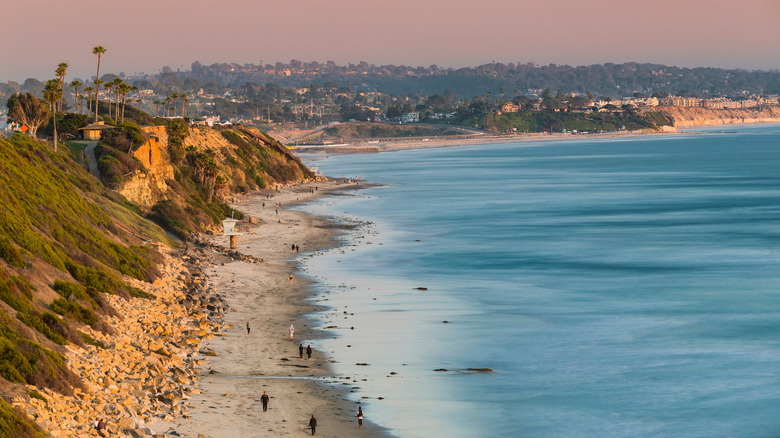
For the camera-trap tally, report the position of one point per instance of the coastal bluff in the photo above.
(687, 117)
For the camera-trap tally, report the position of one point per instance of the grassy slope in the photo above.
(64, 240)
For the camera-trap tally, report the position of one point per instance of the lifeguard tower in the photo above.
(230, 228)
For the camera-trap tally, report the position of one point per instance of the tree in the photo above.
(75, 84)
(109, 88)
(157, 104)
(117, 85)
(89, 89)
(61, 69)
(98, 50)
(134, 89)
(97, 96)
(184, 100)
(28, 110)
(124, 87)
(174, 96)
(52, 94)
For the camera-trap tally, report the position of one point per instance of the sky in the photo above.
(142, 36)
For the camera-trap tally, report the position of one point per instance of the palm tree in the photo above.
(61, 69)
(157, 104)
(97, 96)
(99, 50)
(138, 104)
(124, 87)
(184, 101)
(89, 89)
(109, 87)
(117, 84)
(167, 106)
(174, 96)
(134, 89)
(52, 94)
(75, 84)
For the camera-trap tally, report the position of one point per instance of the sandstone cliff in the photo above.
(684, 117)
(251, 160)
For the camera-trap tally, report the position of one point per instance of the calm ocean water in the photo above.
(617, 288)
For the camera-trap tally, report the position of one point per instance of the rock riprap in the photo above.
(147, 371)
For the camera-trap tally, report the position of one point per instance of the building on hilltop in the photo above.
(93, 131)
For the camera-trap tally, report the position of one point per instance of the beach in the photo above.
(244, 365)
(387, 145)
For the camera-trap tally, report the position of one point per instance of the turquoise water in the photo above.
(617, 288)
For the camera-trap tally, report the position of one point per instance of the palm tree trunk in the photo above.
(97, 92)
(124, 95)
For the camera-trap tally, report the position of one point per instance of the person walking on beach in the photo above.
(248, 329)
(292, 330)
(313, 424)
(308, 352)
(297, 248)
(360, 417)
(264, 400)
(300, 351)
(293, 248)
(290, 278)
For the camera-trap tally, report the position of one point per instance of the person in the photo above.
(297, 248)
(101, 427)
(313, 424)
(291, 278)
(300, 351)
(264, 400)
(248, 329)
(263, 204)
(308, 351)
(360, 416)
(292, 330)
(293, 247)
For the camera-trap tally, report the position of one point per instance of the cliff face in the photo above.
(684, 117)
(146, 189)
(246, 158)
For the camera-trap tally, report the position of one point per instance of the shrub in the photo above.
(90, 340)
(138, 293)
(38, 395)
(73, 310)
(36, 321)
(13, 423)
(10, 253)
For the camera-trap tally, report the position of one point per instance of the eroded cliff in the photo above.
(684, 117)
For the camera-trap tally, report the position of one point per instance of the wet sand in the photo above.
(247, 364)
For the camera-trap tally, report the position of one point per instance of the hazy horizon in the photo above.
(150, 35)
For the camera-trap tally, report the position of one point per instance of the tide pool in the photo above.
(615, 287)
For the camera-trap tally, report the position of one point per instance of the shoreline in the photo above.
(246, 364)
(373, 146)
(368, 146)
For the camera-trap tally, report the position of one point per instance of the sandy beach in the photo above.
(261, 293)
(368, 146)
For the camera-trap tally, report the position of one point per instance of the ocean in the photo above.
(626, 287)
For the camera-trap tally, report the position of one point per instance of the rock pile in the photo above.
(233, 254)
(147, 371)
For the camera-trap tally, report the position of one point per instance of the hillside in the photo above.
(75, 252)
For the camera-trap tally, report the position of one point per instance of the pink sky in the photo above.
(145, 35)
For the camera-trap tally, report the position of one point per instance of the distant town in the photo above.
(272, 96)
